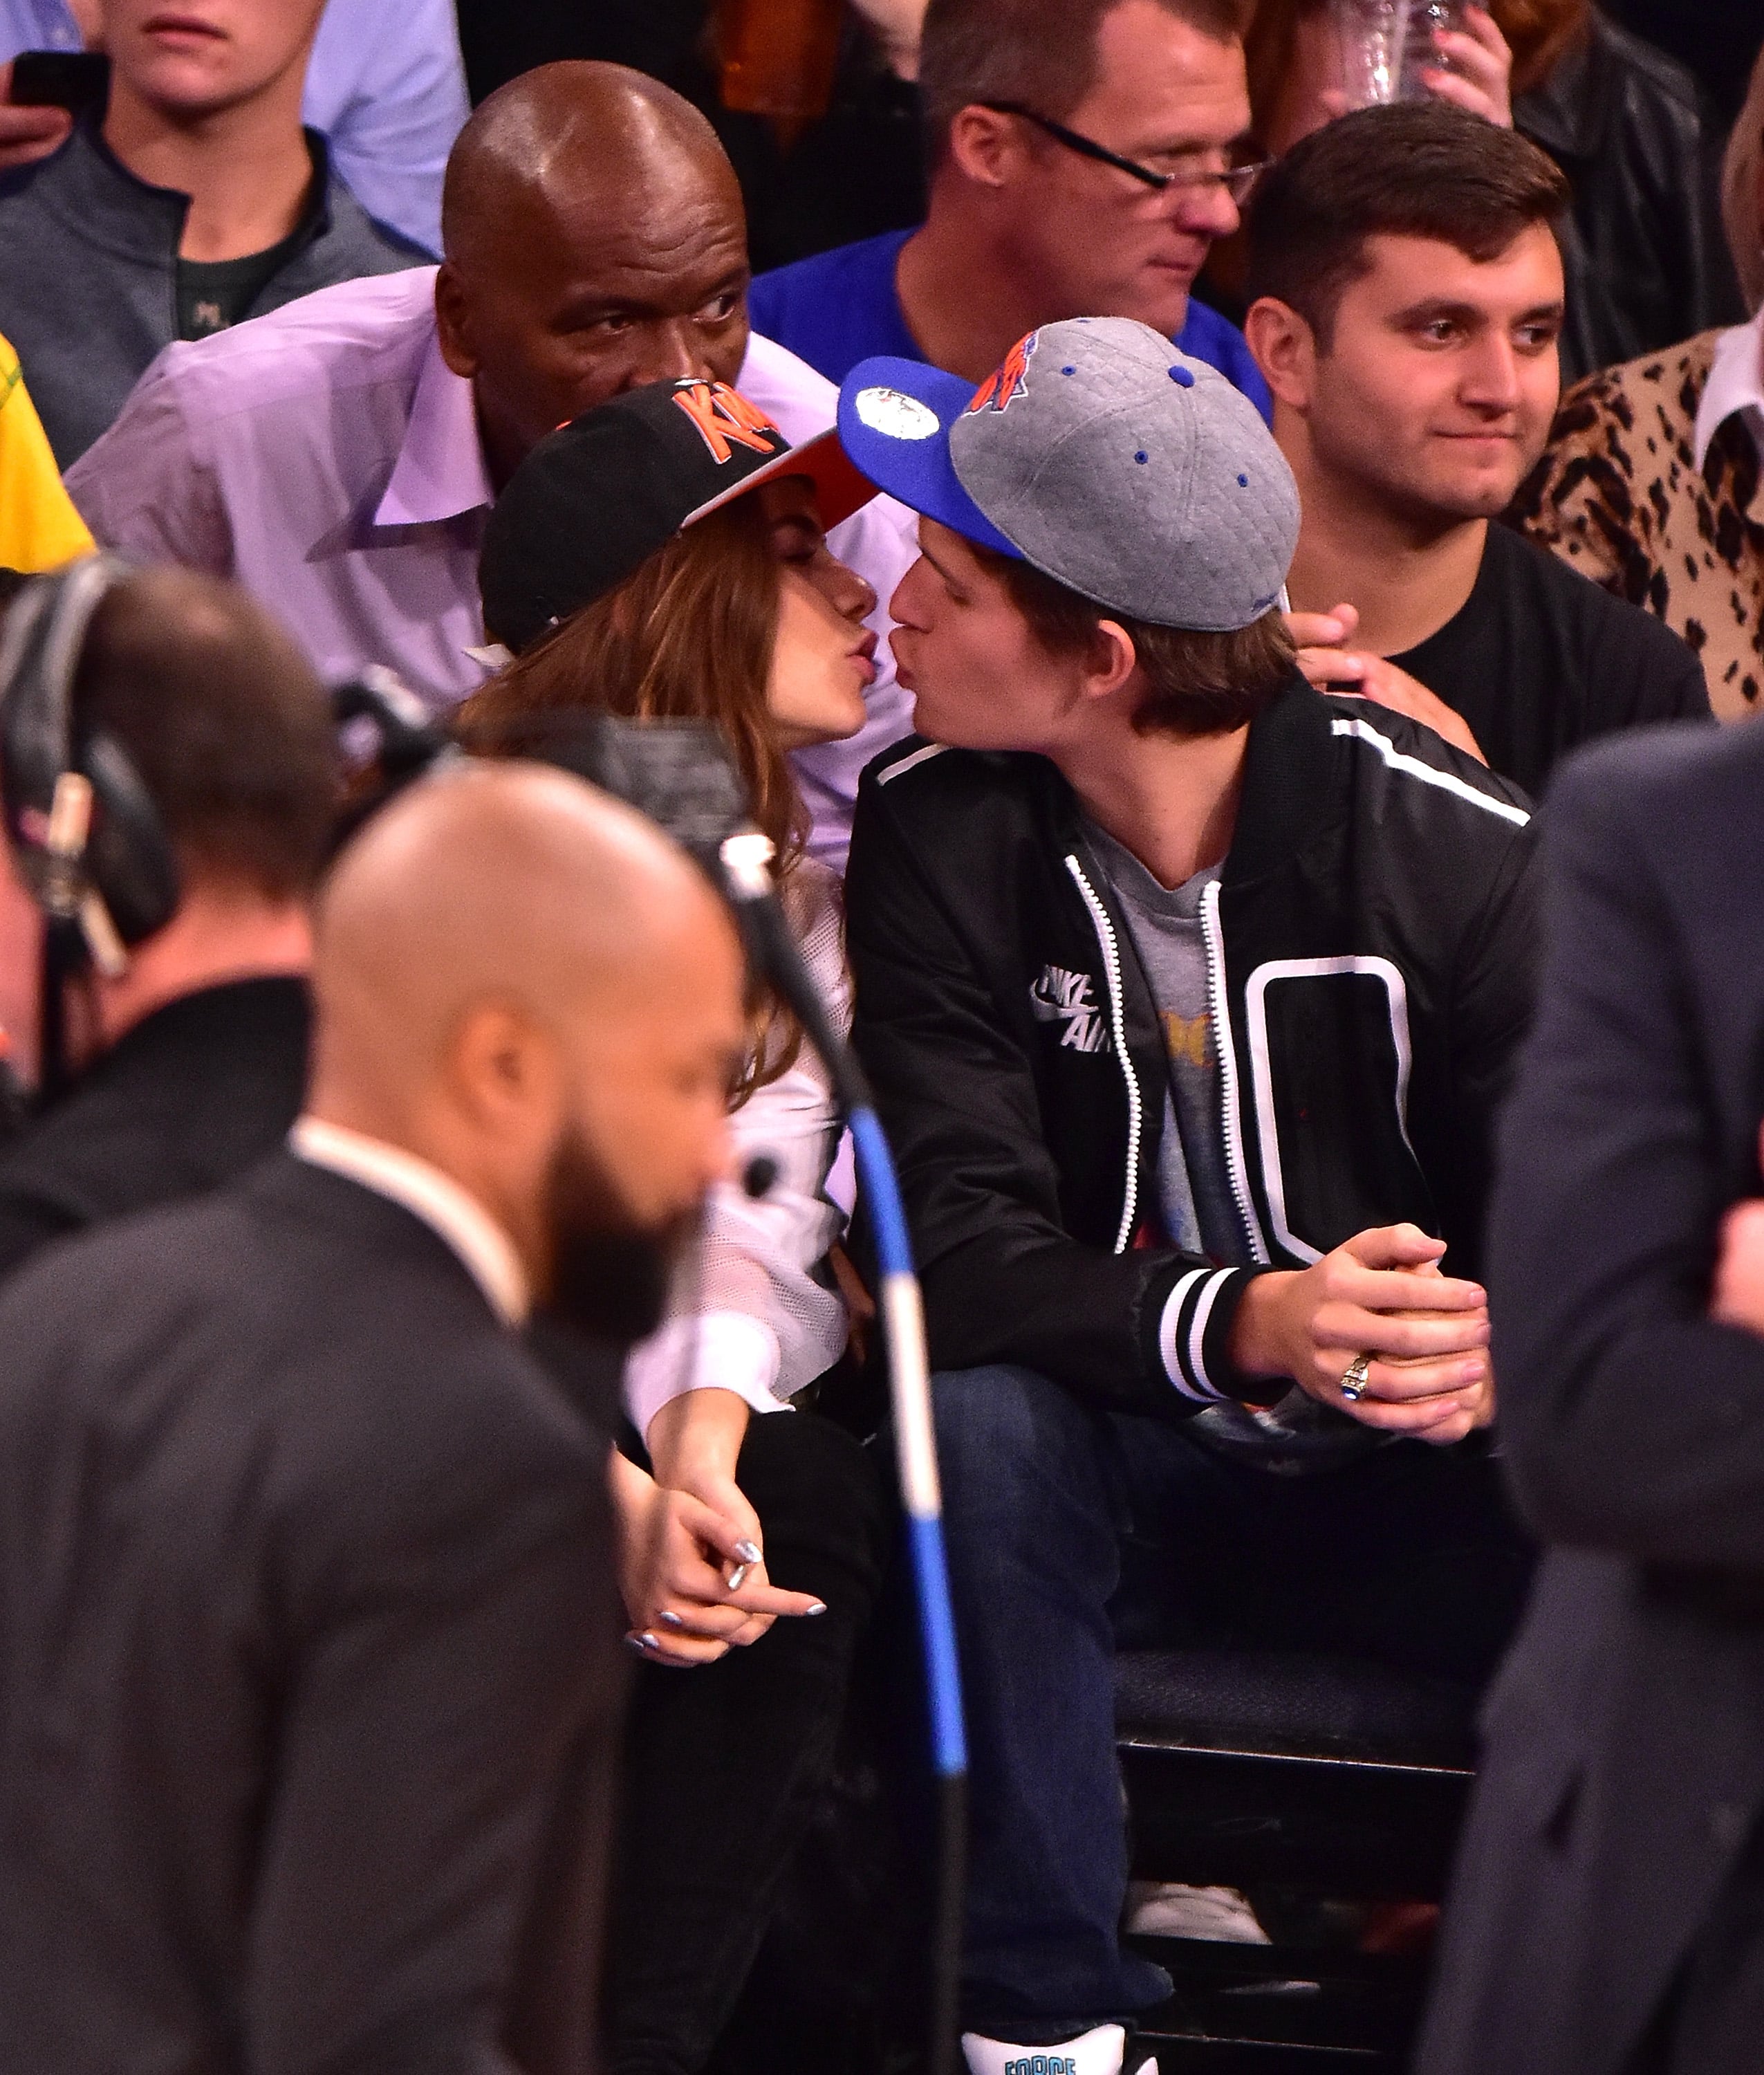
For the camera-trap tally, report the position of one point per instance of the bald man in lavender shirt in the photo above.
(339, 457)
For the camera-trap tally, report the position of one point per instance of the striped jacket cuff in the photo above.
(1193, 1338)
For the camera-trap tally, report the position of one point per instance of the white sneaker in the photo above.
(1098, 2052)
(1169, 1909)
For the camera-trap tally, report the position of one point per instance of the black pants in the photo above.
(722, 1764)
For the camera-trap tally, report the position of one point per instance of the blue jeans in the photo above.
(1073, 1532)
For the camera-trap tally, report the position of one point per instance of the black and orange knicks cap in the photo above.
(596, 499)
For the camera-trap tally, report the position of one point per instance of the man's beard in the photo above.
(611, 1276)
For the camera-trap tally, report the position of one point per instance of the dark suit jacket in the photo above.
(192, 1096)
(1624, 1764)
(309, 1676)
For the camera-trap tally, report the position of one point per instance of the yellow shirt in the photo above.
(39, 528)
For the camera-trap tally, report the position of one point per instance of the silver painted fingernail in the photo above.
(747, 1551)
(649, 1642)
(737, 1577)
(820, 1607)
(672, 1619)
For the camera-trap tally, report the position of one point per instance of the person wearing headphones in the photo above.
(169, 775)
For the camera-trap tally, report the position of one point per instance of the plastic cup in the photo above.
(1386, 44)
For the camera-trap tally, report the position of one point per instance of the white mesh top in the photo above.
(759, 1313)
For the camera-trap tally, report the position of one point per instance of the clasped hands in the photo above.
(1381, 1295)
(692, 1560)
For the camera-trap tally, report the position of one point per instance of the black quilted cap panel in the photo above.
(1292, 1705)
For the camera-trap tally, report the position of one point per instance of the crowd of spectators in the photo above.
(1155, 540)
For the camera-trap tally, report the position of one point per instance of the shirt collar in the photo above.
(1736, 384)
(441, 471)
(447, 1209)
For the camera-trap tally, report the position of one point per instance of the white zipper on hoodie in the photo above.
(1117, 1017)
(1213, 930)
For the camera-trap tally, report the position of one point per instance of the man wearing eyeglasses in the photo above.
(1084, 155)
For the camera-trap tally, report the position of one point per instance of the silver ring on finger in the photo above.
(1353, 1381)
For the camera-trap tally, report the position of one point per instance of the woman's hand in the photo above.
(692, 1575)
(1481, 78)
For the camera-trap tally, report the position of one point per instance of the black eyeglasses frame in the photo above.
(1237, 181)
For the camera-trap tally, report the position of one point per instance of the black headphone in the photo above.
(86, 835)
(87, 838)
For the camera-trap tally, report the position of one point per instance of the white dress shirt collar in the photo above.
(1736, 384)
(447, 1209)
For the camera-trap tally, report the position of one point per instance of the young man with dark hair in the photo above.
(1407, 293)
(189, 1065)
(1187, 994)
(1084, 155)
(196, 200)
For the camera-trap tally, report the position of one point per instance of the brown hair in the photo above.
(1040, 52)
(1540, 32)
(689, 635)
(1416, 169)
(225, 720)
(1197, 682)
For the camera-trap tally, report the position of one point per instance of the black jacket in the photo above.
(1646, 261)
(309, 1669)
(1370, 940)
(1624, 1762)
(193, 1095)
(89, 276)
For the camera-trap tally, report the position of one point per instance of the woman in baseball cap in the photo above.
(662, 557)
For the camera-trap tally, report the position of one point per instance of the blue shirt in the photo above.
(841, 307)
(386, 86)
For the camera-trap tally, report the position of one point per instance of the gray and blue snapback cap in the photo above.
(1099, 455)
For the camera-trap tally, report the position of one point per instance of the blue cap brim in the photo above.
(895, 417)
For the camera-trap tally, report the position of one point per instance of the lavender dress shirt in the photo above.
(386, 86)
(326, 456)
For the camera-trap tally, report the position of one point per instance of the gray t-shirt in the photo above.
(1196, 1202)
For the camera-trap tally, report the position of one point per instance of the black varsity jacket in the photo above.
(1370, 945)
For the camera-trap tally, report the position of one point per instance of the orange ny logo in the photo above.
(998, 392)
(726, 419)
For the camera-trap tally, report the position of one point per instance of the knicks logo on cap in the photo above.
(999, 391)
(725, 420)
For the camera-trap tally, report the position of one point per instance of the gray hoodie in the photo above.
(89, 276)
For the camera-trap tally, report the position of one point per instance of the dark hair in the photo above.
(226, 723)
(1197, 682)
(1040, 52)
(1415, 169)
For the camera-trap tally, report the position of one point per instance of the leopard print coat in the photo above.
(1619, 496)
